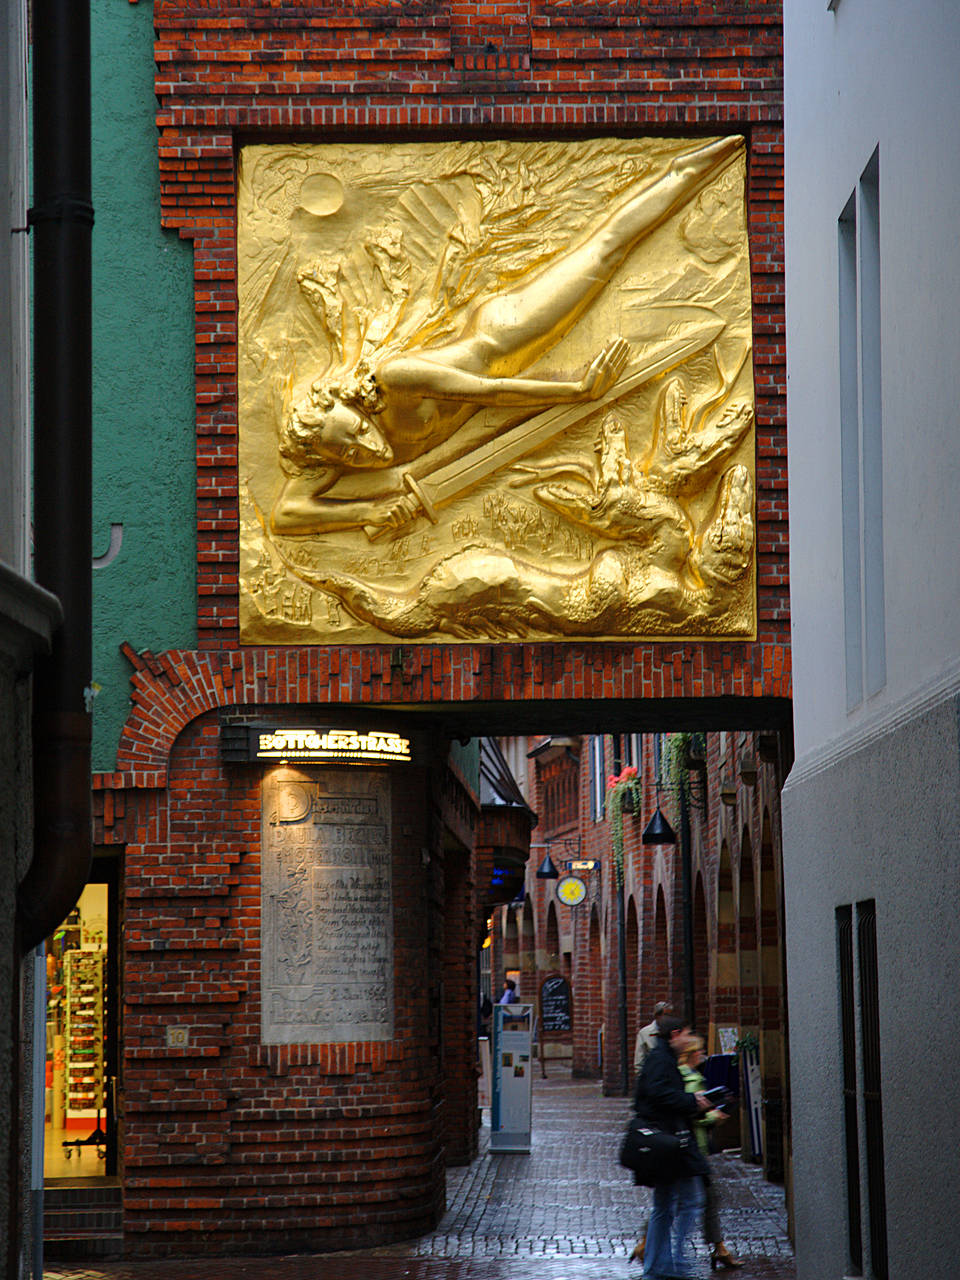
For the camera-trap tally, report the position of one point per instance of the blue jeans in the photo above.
(676, 1212)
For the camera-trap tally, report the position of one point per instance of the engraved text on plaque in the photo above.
(326, 907)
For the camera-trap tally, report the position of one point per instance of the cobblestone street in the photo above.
(567, 1211)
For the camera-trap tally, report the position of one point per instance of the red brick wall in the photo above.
(724, 922)
(232, 71)
(229, 1142)
(458, 975)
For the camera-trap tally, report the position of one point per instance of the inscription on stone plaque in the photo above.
(326, 907)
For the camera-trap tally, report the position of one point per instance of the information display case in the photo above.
(510, 1107)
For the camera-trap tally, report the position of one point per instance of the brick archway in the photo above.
(633, 970)
(588, 993)
(727, 980)
(701, 957)
(747, 949)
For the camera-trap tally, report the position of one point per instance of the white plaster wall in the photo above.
(872, 806)
(874, 71)
(882, 823)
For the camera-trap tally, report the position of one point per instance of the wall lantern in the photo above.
(658, 830)
(547, 869)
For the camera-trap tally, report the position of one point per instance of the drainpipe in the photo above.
(61, 221)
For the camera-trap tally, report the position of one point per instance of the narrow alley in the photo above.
(567, 1211)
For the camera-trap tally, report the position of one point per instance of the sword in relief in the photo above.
(426, 495)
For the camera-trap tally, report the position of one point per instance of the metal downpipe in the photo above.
(61, 221)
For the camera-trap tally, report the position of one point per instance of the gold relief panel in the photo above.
(495, 391)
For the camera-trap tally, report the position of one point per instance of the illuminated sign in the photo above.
(332, 744)
(246, 743)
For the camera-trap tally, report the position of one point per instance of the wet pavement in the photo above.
(566, 1211)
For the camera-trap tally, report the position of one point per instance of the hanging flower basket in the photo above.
(623, 796)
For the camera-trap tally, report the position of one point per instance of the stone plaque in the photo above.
(326, 907)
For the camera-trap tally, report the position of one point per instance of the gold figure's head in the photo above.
(332, 425)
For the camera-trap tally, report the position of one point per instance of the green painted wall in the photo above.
(143, 361)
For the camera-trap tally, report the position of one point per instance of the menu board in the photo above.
(555, 1015)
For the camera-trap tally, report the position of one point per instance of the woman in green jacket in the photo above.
(689, 1063)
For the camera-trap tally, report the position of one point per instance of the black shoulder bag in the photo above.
(654, 1157)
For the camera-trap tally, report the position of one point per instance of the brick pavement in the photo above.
(565, 1212)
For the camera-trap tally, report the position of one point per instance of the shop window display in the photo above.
(76, 1012)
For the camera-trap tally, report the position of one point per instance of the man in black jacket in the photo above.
(662, 1100)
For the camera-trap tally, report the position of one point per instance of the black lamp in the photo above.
(547, 870)
(658, 830)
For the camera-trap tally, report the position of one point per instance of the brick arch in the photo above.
(747, 949)
(552, 939)
(726, 978)
(701, 956)
(573, 688)
(588, 997)
(659, 986)
(769, 939)
(633, 969)
(527, 989)
(511, 945)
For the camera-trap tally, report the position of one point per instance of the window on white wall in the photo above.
(861, 438)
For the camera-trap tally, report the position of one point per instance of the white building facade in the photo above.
(871, 810)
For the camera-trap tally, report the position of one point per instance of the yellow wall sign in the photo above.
(495, 390)
(328, 745)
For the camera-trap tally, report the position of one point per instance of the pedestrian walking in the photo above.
(689, 1062)
(661, 1099)
(646, 1039)
(647, 1036)
(509, 995)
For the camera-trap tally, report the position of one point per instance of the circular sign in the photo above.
(571, 890)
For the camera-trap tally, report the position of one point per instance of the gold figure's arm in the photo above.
(420, 375)
(301, 507)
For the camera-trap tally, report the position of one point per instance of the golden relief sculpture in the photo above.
(495, 391)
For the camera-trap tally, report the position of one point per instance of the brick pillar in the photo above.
(460, 1005)
(701, 959)
(587, 995)
(726, 985)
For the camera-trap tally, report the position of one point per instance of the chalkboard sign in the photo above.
(555, 1004)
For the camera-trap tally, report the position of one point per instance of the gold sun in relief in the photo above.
(321, 194)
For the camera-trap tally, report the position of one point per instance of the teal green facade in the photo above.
(143, 378)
